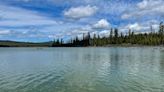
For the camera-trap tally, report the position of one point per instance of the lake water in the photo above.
(133, 69)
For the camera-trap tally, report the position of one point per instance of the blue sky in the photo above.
(45, 20)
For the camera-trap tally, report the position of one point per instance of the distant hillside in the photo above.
(23, 44)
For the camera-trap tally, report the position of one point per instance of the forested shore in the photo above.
(117, 38)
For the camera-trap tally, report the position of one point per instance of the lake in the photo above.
(114, 69)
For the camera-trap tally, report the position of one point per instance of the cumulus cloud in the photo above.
(139, 27)
(134, 26)
(15, 21)
(80, 12)
(146, 7)
(104, 33)
(102, 24)
(101, 27)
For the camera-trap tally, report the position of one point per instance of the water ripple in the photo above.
(82, 70)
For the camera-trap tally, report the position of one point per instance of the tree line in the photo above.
(116, 38)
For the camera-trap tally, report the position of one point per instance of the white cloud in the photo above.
(18, 23)
(102, 24)
(134, 26)
(104, 33)
(126, 16)
(4, 32)
(101, 28)
(150, 4)
(146, 7)
(80, 12)
(12, 16)
(138, 27)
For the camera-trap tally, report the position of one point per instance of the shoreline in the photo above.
(132, 45)
(10, 44)
(83, 46)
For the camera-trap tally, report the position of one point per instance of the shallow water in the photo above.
(133, 69)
